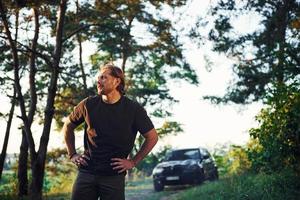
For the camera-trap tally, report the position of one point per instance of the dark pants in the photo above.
(91, 187)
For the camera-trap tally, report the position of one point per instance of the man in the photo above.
(112, 121)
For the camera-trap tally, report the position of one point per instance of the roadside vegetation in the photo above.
(284, 185)
(232, 184)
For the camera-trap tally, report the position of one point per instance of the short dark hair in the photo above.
(117, 73)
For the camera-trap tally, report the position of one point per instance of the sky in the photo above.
(204, 124)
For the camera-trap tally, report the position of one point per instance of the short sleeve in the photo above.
(77, 116)
(142, 121)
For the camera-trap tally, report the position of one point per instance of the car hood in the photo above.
(176, 162)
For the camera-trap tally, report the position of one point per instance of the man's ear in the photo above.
(118, 81)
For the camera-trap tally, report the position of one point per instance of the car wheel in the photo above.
(199, 180)
(158, 186)
(215, 175)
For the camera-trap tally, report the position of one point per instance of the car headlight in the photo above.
(157, 170)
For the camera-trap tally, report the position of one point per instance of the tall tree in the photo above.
(37, 157)
(7, 132)
(23, 156)
(5, 80)
(266, 56)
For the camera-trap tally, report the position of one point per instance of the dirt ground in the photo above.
(143, 190)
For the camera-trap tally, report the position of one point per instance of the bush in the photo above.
(231, 159)
(278, 136)
(8, 185)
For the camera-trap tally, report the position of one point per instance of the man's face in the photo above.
(106, 83)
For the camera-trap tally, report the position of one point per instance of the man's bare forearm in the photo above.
(122, 165)
(151, 139)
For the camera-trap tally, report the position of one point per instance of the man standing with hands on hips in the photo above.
(112, 121)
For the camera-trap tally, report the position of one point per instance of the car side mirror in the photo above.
(205, 157)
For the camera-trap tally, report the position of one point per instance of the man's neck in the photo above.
(112, 97)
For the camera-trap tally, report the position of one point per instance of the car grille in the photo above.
(173, 170)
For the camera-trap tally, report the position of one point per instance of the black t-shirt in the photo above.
(116, 126)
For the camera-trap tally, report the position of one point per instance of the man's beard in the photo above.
(104, 91)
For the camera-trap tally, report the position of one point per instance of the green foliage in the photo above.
(59, 176)
(278, 186)
(8, 184)
(169, 128)
(278, 133)
(219, 155)
(265, 56)
(231, 160)
(99, 59)
(60, 172)
(238, 160)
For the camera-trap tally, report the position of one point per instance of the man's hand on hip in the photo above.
(122, 164)
(79, 160)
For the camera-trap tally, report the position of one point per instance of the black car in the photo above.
(184, 166)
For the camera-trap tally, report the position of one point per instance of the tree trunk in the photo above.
(5, 143)
(23, 167)
(36, 186)
(124, 59)
(23, 157)
(79, 40)
(126, 46)
(38, 164)
(81, 65)
(282, 16)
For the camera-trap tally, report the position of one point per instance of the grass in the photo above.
(285, 185)
(277, 186)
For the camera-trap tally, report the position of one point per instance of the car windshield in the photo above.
(183, 155)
